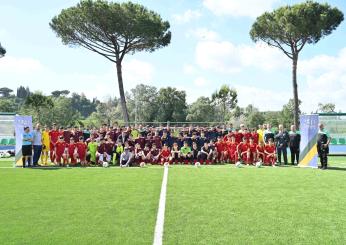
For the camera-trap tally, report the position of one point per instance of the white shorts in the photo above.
(107, 158)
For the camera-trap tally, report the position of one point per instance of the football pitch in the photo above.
(207, 205)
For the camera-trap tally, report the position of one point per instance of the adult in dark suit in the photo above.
(294, 144)
(323, 140)
(281, 140)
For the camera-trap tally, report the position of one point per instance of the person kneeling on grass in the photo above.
(185, 152)
(269, 150)
(61, 152)
(165, 154)
(252, 152)
(206, 154)
(154, 154)
(119, 149)
(81, 151)
(243, 151)
(195, 153)
(138, 154)
(175, 153)
(72, 152)
(102, 154)
(260, 151)
(92, 149)
(126, 158)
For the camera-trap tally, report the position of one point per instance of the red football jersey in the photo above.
(270, 148)
(253, 147)
(60, 148)
(220, 146)
(238, 137)
(243, 147)
(71, 148)
(254, 135)
(54, 136)
(165, 153)
(81, 148)
(260, 149)
(232, 147)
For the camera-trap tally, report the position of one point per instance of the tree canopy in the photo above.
(225, 100)
(2, 51)
(112, 30)
(290, 28)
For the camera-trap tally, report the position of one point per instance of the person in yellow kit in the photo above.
(45, 146)
(260, 133)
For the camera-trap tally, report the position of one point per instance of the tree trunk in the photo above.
(122, 94)
(295, 89)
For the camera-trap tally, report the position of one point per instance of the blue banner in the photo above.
(308, 144)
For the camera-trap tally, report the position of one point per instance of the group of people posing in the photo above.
(137, 146)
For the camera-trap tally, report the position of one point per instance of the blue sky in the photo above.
(210, 46)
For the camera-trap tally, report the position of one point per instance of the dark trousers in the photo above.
(323, 154)
(282, 150)
(37, 154)
(294, 155)
(323, 158)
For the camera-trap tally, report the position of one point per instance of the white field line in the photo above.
(160, 220)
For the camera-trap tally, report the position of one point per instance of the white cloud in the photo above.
(201, 82)
(237, 8)
(137, 71)
(203, 34)
(10, 64)
(187, 16)
(189, 69)
(30, 72)
(226, 57)
(264, 99)
(325, 79)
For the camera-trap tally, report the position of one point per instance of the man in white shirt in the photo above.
(37, 144)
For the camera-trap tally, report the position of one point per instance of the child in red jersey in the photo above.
(221, 151)
(81, 151)
(165, 154)
(54, 137)
(72, 151)
(254, 135)
(238, 136)
(252, 152)
(232, 150)
(61, 151)
(246, 133)
(175, 153)
(260, 152)
(242, 150)
(269, 150)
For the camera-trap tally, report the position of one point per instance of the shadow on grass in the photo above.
(337, 168)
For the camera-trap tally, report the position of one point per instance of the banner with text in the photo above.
(308, 144)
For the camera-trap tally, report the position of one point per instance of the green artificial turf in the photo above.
(79, 206)
(207, 205)
(283, 205)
